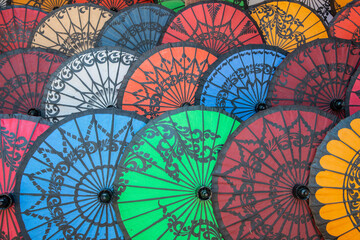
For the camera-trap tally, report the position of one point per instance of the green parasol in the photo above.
(164, 178)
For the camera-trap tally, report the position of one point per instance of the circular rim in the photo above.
(137, 137)
(222, 154)
(40, 140)
(126, 9)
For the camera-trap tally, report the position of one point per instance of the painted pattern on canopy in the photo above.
(334, 181)
(89, 80)
(262, 172)
(17, 134)
(114, 5)
(238, 81)
(316, 74)
(45, 5)
(23, 76)
(164, 178)
(70, 29)
(217, 25)
(346, 24)
(138, 27)
(352, 100)
(66, 181)
(337, 5)
(164, 79)
(288, 24)
(16, 25)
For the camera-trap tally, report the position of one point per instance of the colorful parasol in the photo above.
(177, 5)
(89, 80)
(337, 5)
(66, 180)
(138, 27)
(346, 24)
(217, 25)
(16, 25)
(288, 24)
(70, 29)
(316, 74)
(114, 5)
(238, 81)
(164, 79)
(260, 180)
(17, 135)
(352, 99)
(23, 76)
(321, 7)
(334, 181)
(45, 5)
(164, 178)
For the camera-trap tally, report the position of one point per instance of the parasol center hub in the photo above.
(114, 9)
(204, 193)
(185, 104)
(105, 196)
(54, 8)
(261, 107)
(110, 106)
(6, 200)
(34, 112)
(301, 192)
(337, 104)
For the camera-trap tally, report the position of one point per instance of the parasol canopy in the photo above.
(164, 178)
(138, 27)
(334, 181)
(316, 74)
(65, 183)
(16, 25)
(114, 5)
(23, 76)
(288, 24)
(217, 25)
(17, 135)
(45, 5)
(260, 180)
(238, 81)
(164, 78)
(352, 99)
(337, 5)
(89, 80)
(177, 5)
(346, 23)
(70, 29)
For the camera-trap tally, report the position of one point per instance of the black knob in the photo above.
(34, 112)
(260, 107)
(337, 104)
(105, 196)
(54, 8)
(6, 201)
(301, 192)
(110, 106)
(114, 9)
(185, 104)
(204, 193)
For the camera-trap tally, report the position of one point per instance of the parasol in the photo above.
(114, 5)
(70, 29)
(45, 5)
(337, 5)
(89, 80)
(177, 5)
(23, 76)
(316, 74)
(260, 180)
(352, 99)
(164, 79)
(217, 25)
(346, 23)
(65, 182)
(138, 27)
(238, 81)
(321, 7)
(334, 181)
(288, 24)
(16, 25)
(164, 178)
(17, 135)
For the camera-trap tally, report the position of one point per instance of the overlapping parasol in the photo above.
(45, 5)
(114, 5)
